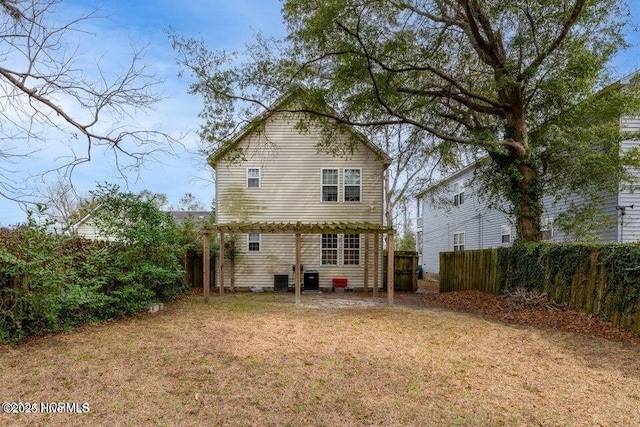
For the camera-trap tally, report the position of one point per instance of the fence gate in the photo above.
(193, 270)
(406, 271)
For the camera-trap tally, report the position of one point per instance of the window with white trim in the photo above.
(458, 194)
(253, 177)
(351, 249)
(352, 185)
(505, 231)
(253, 242)
(329, 185)
(458, 241)
(546, 227)
(329, 249)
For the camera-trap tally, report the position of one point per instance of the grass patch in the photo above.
(258, 358)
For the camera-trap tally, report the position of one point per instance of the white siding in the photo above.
(482, 226)
(628, 196)
(290, 191)
(88, 230)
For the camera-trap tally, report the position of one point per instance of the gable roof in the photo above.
(450, 177)
(275, 108)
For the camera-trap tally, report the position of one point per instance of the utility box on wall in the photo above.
(311, 281)
(280, 282)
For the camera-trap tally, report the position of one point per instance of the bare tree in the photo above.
(417, 163)
(49, 97)
(190, 203)
(63, 204)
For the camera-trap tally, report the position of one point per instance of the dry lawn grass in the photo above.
(257, 359)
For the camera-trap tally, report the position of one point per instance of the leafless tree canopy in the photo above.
(49, 97)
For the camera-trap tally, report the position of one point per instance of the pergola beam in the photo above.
(338, 227)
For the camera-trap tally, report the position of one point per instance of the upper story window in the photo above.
(253, 177)
(329, 185)
(329, 249)
(253, 242)
(506, 233)
(458, 193)
(458, 241)
(352, 185)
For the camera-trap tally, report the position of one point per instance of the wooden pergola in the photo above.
(298, 229)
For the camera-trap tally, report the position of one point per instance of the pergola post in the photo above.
(298, 257)
(376, 264)
(232, 265)
(221, 264)
(366, 263)
(206, 276)
(390, 267)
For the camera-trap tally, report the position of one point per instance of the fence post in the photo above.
(205, 264)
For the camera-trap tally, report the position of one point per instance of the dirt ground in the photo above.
(336, 359)
(524, 309)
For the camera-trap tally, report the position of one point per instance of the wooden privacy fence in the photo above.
(469, 270)
(590, 287)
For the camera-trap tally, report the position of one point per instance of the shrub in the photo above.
(50, 282)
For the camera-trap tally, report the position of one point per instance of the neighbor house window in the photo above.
(506, 233)
(253, 177)
(458, 241)
(352, 185)
(351, 249)
(546, 227)
(329, 185)
(458, 194)
(254, 242)
(329, 249)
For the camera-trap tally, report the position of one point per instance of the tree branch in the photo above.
(568, 24)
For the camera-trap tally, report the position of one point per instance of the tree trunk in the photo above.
(526, 191)
(529, 204)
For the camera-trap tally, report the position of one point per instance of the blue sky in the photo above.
(222, 24)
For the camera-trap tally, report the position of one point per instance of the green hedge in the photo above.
(50, 283)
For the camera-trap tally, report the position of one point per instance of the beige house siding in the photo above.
(277, 256)
(88, 230)
(290, 191)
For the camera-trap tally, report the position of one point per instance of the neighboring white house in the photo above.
(466, 222)
(87, 229)
(280, 177)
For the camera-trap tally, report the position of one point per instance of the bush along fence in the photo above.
(602, 279)
(50, 283)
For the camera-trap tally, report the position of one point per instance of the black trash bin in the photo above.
(420, 272)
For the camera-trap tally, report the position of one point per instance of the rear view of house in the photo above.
(271, 179)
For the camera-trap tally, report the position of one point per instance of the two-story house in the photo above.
(451, 217)
(273, 183)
